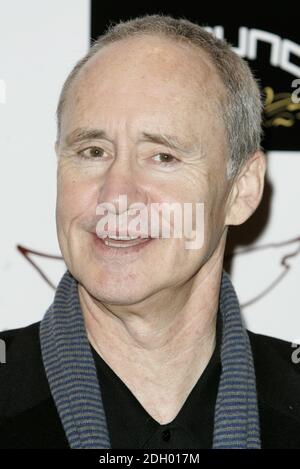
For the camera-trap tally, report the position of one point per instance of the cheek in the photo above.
(75, 197)
(215, 216)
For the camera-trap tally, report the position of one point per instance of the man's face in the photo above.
(127, 91)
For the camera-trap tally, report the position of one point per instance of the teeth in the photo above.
(123, 238)
(115, 244)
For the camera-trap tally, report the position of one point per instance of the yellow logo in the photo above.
(279, 109)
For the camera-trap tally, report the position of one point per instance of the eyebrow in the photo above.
(82, 134)
(170, 141)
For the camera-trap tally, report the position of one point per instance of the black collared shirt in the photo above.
(130, 425)
(29, 417)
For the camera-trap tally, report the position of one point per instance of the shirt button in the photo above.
(166, 435)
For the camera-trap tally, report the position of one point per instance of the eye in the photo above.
(92, 152)
(165, 158)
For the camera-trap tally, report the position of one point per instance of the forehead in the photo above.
(149, 77)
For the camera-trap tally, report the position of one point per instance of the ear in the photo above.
(247, 190)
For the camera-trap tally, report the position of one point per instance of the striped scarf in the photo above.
(76, 391)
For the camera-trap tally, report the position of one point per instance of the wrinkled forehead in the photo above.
(149, 75)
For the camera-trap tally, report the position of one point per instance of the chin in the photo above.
(114, 287)
(117, 295)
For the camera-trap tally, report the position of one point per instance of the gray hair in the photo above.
(241, 110)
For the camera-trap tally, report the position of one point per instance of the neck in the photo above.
(145, 343)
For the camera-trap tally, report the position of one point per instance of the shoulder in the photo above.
(277, 370)
(275, 356)
(22, 377)
(28, 416)
(28, 332)
(21, 345)
(280, 347)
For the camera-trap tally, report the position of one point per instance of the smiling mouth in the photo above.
(112, 244)
(116, 242)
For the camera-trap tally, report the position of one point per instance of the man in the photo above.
(143, 346)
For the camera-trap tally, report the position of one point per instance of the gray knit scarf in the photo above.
(74, 385)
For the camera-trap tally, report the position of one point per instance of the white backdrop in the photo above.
(39, 43)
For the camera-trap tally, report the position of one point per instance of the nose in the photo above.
(122, 178)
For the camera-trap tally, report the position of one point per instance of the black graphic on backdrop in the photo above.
(269, 40)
